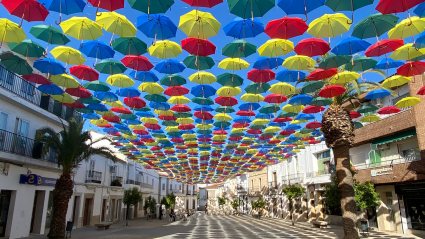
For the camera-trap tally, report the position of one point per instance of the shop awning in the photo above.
(395, 137)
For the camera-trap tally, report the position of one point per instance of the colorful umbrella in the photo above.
(392, 6)
(266, 63)
(383, 47)
(51, 89)
(275, 48)
(407, 52)
(298, 7)
(120, 80)
(84, 73)
(81, 28)
(241, 28)
(110, 67)
(411, 68)
(169, 66)
(199, 62)
(299, 62)
(197, 24)
(250, 8)
(110, 5)
(388, 110)
(116, 24)
(173, 80)
(333, 61)
(407, 28)
(289, 76)
(207, 3)
(332, 91)
(129, 46)
(79, 92)
(360, 64)
(37, 79)
(229, 79)
(282, 88)
(65, 80)
(198, 47)
(377, 94)
(17, 65)
(165, 49)
(350, 46)
(234, 64)
(96, 86)
(374, 25)
(10, 32)
(344, 77)
(395, 81)
(286, 27)
(68, 55)
(151, 7)
(97, 49)
(66, 7)
(30, 10)
(138, 63)
(321, 74)
(203, 77)
(347, 5)
(312, 47)
(329, 25)
(49, 66)
(27, 48)
(49, 34)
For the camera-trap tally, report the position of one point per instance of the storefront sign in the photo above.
(381, 171)
(37, 180)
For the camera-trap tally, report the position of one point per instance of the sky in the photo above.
(221, 13)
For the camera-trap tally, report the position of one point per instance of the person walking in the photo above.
(160, 212)
(206, 209)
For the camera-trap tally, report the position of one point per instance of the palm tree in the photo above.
(72, 146)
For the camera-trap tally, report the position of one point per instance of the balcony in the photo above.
(29, 92)
(94, 177)
(257, 191)
(146, 188)
(242, 189)
(389, 162)
(129, 181)
(189, 192)
(116, 181)
(295, 178)
(20, 145)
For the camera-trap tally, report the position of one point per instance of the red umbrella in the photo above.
(332, 91)
(181, 108)
(113, 119)
(205, 115)
(110, 5)
(235, 138)
(312, 47)
(186, 126)
(138, 63)
(396, 6)
(84, 72)
(220, 132)
(261, 76)
(388, 110)
(254, 131)
(311, 109)
(275, 99)
(75, 105)
(239, 125)
(141, 132)
(354, 114)
(265, 137)
(121, 110)
(177, 140)
(134, 102)
(36, 78)
(80, 92)
(106, 126)
(155, 148)
(282, 120)
(198, 47)
(421, 91)
(313, 125)
(245, 113)
(383, 47)
(176, 91)
(30, 10)
(412, 68)
(226, 101)
(321, 74)
(286, 27)
(204, 140)
(203, 3)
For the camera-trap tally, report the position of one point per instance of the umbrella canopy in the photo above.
(84, 73)
(110, 67)
(29, 10)
(49, 66)
(360, 64)
(120, 80)
(347, 5)
(198, 47)
(286, 27)
(407, 28)
(68, 55)
(411, 68)
(208, 3)
(241, 28)
(169, 66)
(27, 48)
(81, 28)
(129, 46)
(250, 9)
(265, 63)
(37, 79)
(199, 62)
(395, 81)
(374, 25)
(229, 79)
(197, 24)
(97, 49)
(96, 86)
(65, 80)
(110, 5)
(350, 46)
(321, 74)
(138, 63)
(159, 27)
(383, 47)
(312, 47)
(332, 91)
(299, 62)
(392, 6)
(17, 65)
(165, 49)
(234, 64)
(275, 48)
(238, 49)
(333, 61)
(407, 52)
(202, 77)
(49, 34)
(151, 7)
(11, 32)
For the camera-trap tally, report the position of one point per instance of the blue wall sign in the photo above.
(37, 180)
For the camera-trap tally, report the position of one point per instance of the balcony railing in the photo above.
(137, 183)
(295, 178)
(241, 188)
(20, 145)
(116, 181)
(94, 177)
(273, 185)
(28, 91)
(189, 192)
(389, 162)
(145, 185)
(129, 181)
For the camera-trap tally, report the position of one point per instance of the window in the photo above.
(163, 186)
(260, 184)
(324, 155)
(21, 127)
(152, 181)
(171, 186)
(3, 121)
(252, 184)
(412, 154)
(91, 168)
(375, 158)
(193, 204)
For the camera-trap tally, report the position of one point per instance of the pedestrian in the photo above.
(206, 209)
(172, 215)
(160, 212)
(260, 212)
(148, 212)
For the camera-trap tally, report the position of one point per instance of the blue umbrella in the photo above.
(128, 92)
(159, 27)
(388, 64)
(97, 107)
(264, 116)
(110, 130)
(420, 10)
(201, 121)
(242, 120)
(249, 106)
(244, 28)
(292, 127)
(376, 94)
(97, 49)
(147, 114)
(121, 127)
(51, 89)
(350, 46)
(299, 7)
(300, 100)
(420, 41)
(132, 122)
(91, 116)
(203, 108)
(303, 116)
(169, 66)
(265, 63)
(160, 105)
(203, 91)
(66, 7)
(290, 75)
(49, 66)
(277, 124)
(106, 96)
(144, 76)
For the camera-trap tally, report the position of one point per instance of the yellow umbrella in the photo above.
(178, 100)
(298, 121)
(105, 113)
(204, 126)
(238, 130)
(164, 112)
(120, 81)
(223, 117)
(151, 88)
(408, 102)
(299, 62)
(407, 52)
(228, 91)
(260, 121)
(99, 122)
(407, 28)
(275, 48)
(293, 108)
(189, 136)
(137, 126)
(152, 144)
(233, 64)
(149, 120)
(64, 98)
(370, 118)
(130, 137)
(165, 49)
(197, 24)
(172, 129)
(219, 137)
(329, 25)
(282, 88)
(116, 24)
(271, 129)
(81, 28)
(116, 104)
(395, 81)
(300, 135)
(65, 80)
(344, 77)
(203, 78)
(252, 97)
(68, 55)
(185, 120)
(10, 32)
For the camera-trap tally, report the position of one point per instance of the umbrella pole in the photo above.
(352, 14)
(22, 19)
(149, 3)
(97, 9)
(113, 33)
(48, 41)
(252, 14)
(305, 10)
(60, 13)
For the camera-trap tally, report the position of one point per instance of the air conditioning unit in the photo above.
(383, 146)
(111, 169)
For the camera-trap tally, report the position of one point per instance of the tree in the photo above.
(235, 204)
(72, 146)
(221, 201)
(259, 204)
(171, 200)
(150, 203)
(131, 197)
(293, 192)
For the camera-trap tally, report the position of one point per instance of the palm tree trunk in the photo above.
(61, 195)
(338, 129)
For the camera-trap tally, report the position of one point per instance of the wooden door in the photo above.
(86, 219)
(103, 209)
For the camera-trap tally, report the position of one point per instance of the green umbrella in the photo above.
(170, 123)
(159, 98)
(257, 88)
(129, 46)
(347, 5)
(357, 125)
(151, 6)
(199, 62)
(269, 108)
(257, 126)
(128, 116)
(173, 80)
(89, 100)
(225, 109)
(110, 67)
(144, 109)
(374, 25)
(267, 134)
(222, 124)
(159, 135)
(174, 134)
(305, 130)
(320, 101)
(334, 61)
(238, 49)
(49, 34)
(367, 109)
(285, 114)
(17, 65)
(361, 63)
(311, 87)
(27, 48)
(84, 110)
(182, 114)
(237, 134)
(230, 79)
(202, 101)
(250, 8)
(97, 86)
(204, 131)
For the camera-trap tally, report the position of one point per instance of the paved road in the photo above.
(215, 227)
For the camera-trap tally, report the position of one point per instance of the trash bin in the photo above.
(69, 226)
